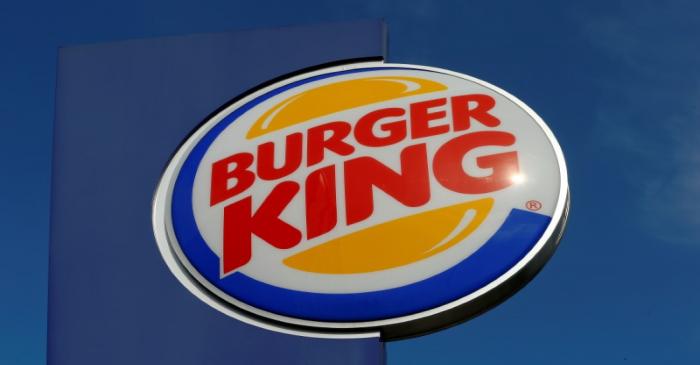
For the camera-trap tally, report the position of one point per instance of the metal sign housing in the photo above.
(363, 198)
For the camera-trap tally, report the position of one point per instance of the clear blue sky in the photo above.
(617, 81)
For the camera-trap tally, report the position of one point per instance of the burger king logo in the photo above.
(363, 198)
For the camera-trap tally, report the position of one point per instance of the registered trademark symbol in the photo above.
(533, 205)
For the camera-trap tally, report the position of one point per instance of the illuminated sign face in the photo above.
(362, 198)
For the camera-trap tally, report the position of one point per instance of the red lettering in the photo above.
(318, 142)
(448, 170)
(411, 187)
(461, 113)
(240, 224)
(292, 158)
(421, 116)
(321, 206)
(364, 128)
(221, 174)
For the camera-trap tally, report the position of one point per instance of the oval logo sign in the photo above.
(363, 198)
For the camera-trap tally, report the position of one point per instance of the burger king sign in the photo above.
(363, 198)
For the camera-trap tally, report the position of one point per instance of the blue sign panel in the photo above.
(122, 109)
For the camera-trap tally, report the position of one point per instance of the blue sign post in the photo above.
(122, 109)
